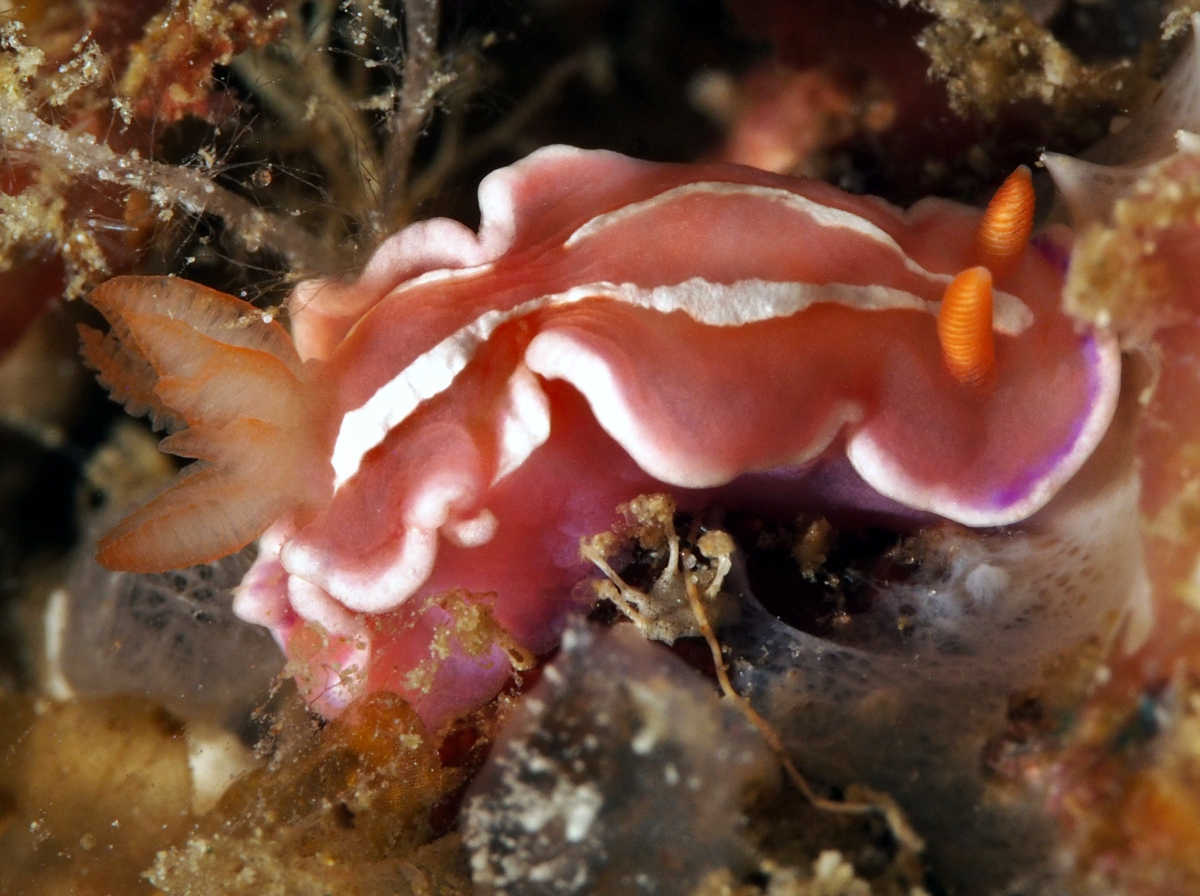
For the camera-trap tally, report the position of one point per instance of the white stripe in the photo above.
(820, 214)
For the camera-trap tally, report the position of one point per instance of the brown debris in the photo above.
(169, 70)
(971, 88)
(994, 55)
(1125, 780)
(662, 611)
(85, 96)
(471, 629)
(343, 811)
(686, 586)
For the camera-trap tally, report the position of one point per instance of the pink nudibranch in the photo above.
(472, 404)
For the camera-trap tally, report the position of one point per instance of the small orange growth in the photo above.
(964, 327)
(1004, 231)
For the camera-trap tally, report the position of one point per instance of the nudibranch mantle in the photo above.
(474, 403)
(712, 304)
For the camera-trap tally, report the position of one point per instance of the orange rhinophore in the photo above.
(1004, 231)
(964, 327)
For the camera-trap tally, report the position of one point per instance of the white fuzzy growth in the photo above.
(216, 758)
(1089, 189)
(986, 583)
(54, 628)
(580, 809)
(1187, 142)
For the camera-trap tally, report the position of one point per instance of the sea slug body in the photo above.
(474, 403)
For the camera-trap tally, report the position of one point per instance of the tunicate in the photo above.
(622, 772)
(171, 637)
(911, 705)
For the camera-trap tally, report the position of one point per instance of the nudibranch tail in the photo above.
(1004, 231)
(227, 381)
(964, 327)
